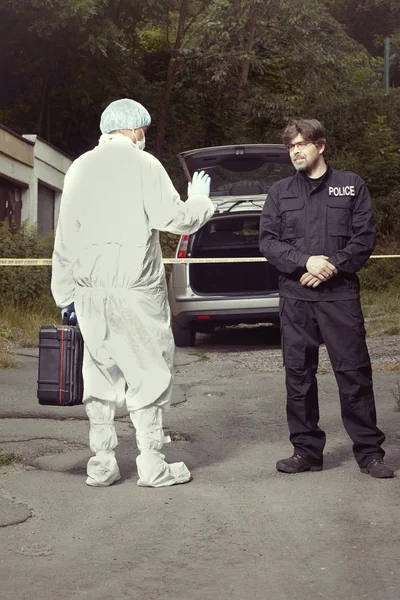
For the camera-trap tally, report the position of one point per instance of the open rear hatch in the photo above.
(227, 236)
(238, 173)
(244, 170)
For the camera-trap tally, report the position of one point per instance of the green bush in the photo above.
(24, 286)
(381, 274)
(387, 215)
(169, 242)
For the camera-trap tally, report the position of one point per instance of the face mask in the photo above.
(140, 144)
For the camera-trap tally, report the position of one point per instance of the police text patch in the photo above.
(346, 190)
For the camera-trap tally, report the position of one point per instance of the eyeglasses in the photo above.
(300, 146)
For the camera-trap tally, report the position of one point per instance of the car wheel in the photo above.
(183, 336)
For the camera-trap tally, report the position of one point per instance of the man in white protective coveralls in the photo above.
(107, 265)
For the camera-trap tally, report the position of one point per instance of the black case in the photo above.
(60, 365)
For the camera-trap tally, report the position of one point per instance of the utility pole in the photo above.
(387, 64)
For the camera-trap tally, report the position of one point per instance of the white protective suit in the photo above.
(107, 259)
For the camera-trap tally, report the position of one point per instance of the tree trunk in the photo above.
(171, 78)
(251, 29)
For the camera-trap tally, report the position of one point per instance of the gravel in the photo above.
(258, 349)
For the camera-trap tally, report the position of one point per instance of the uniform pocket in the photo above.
(339, 215)
(352, 342)
(292, 210)
(358, 319)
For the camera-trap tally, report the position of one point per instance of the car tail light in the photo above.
(203, 316)
(183, 246)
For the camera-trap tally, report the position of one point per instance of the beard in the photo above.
(302, 164)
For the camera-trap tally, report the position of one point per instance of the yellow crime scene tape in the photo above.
(46, 262)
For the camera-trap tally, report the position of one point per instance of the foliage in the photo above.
(23, 286)
(369, 22)
(211, 73)
(7, 359)
(380, 275)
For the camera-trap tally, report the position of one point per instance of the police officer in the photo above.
(318, 230)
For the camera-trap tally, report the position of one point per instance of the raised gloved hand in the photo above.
(70, 309)
(200, 184)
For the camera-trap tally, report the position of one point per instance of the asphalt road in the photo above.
(239, 530)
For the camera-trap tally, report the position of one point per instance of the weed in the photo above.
(8, 458)
(21, 327)
(381, 311)
(7, 359)
(201, 354)
(393, 367)
(393, 329)
(396, 396)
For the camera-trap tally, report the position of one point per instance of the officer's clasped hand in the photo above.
(200, 184)
(309, 280)
(320, 268)
(70, 309)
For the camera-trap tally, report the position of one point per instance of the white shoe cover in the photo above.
(102, 470)
(152, 469)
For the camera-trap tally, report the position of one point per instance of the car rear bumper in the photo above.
(226, 312)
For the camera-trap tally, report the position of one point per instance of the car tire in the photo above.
(183, 336)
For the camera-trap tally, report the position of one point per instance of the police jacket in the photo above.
(333, 218)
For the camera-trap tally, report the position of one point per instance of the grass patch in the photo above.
(396, 396)
(20, 327)
(201, 354)
(381, 311)
(7, 359)
(9, 458)
(393, 367)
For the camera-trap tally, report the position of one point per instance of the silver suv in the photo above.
(204, 296)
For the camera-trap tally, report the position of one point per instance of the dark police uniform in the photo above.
(330, 216)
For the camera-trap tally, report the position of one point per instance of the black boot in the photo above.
(297, 464)
(377, 468)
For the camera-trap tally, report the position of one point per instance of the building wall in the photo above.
(38, 169)
(50, 167)
(14, 146)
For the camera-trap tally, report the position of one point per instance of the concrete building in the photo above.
(32, 175)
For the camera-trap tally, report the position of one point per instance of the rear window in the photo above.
(229, 231)
(254, 176)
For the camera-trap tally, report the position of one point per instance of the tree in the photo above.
(187, 13)
(369, 22)
(61, 86)
(210, 72)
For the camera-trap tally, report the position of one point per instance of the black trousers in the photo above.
(340, 324)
